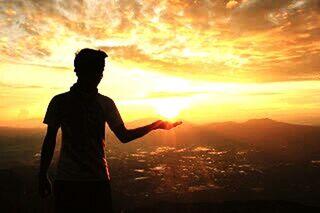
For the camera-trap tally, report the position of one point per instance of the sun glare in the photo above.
(170, 109)
(168, 112)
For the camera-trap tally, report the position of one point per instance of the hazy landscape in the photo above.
(260, 165)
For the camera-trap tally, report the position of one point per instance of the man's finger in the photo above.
(43, 194)
(177, 123)
(47, 193)
(157, 123)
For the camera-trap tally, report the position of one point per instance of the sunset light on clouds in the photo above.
(201, 61)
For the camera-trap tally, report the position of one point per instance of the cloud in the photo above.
(216, 40)
(19, 86)
(23, 113)
(232, 4)
(176, 94)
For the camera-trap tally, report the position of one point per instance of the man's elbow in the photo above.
(124, 139)
(49, 143)
(122, 134)
(49, 139)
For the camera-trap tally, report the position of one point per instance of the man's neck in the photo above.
(84, 87)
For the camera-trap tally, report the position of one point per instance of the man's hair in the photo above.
(89, 59)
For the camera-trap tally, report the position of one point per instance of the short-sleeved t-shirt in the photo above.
(82, 121)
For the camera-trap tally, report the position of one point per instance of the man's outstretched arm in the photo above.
(126, 135)
(47, 152)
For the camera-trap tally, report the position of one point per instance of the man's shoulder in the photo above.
(104, 98)
(61, 96)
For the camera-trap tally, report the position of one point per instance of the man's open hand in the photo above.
(165, 124)
(44, 186)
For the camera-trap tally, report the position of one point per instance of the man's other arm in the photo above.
(47, 152)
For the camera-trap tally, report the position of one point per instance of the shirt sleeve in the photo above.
(52, 116)
(113, 117)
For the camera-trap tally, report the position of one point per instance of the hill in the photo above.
(271, 135)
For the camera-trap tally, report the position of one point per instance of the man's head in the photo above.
(89, 66)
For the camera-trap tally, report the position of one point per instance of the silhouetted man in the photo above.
(82, 182)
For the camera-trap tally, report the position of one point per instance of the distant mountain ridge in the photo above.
(264, 133)
(270, 134)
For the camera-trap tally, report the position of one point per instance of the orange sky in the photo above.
(201, 61)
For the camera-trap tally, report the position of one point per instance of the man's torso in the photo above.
(82, 155)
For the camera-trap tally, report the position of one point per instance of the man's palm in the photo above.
(166, 124)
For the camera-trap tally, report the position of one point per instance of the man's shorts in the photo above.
(82, 196)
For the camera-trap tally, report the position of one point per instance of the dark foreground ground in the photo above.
(261, 206)
(177, 173)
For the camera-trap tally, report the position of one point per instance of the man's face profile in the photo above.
(91, 78)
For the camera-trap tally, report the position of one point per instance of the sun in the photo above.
(169, 109)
